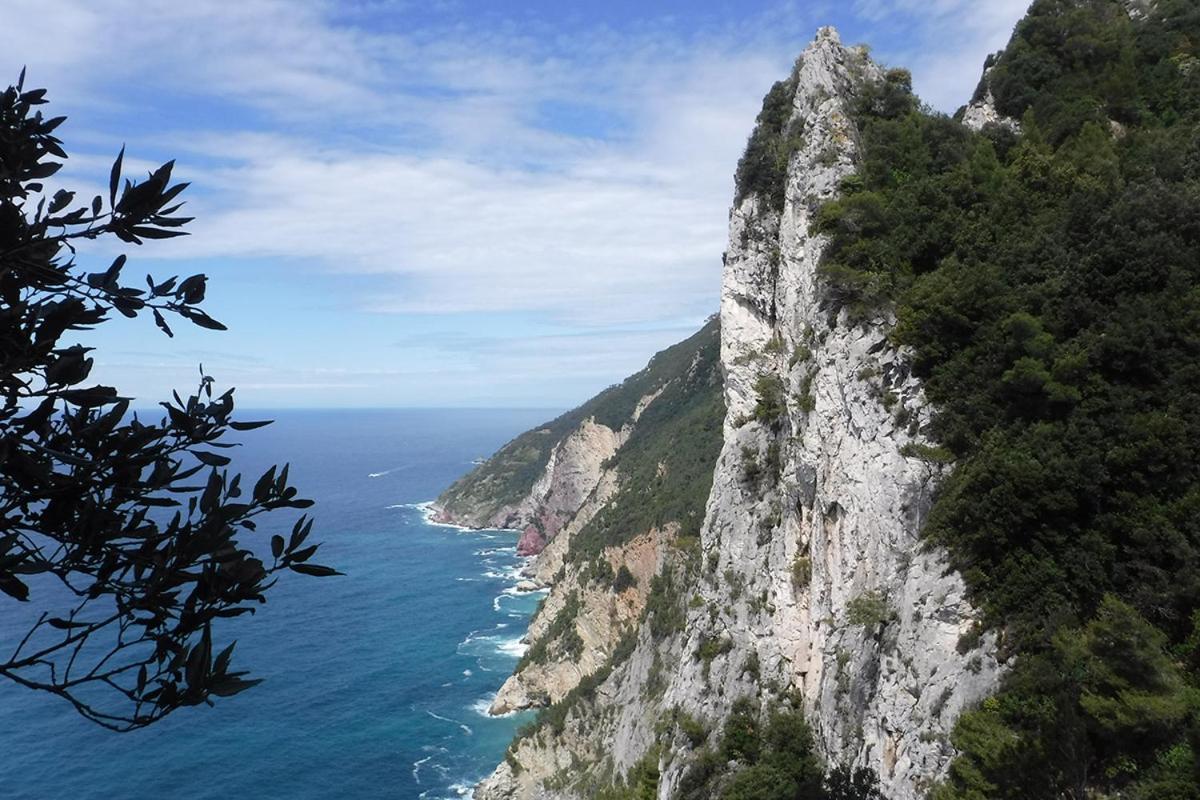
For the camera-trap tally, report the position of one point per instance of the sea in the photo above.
(376, 684)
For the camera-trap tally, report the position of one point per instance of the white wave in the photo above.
(482, 705)
(390, 471)
(468, 673)
(514, 574)
(463, 790)
(466, 729)
(416, 770)
(512, 647)
(427, 511)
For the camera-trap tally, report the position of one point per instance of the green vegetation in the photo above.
(762, 169)
(561, 630)
(554, 717)
(800, 355)
(805, 400)
(869, 610)
(623, 580)
(1108, 694)
(666, 467)
(1049, 285)
(752, 470)
(664, 606)
(710, 647)
(769, 759)
(598, 571)
(926, 453)
(752, 667)
(775, 345)
(641, 783)
(771, 407)
(802, 571)
(695, 731)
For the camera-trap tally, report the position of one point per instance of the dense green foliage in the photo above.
(507, 476)
(623, 580)
(769, 759)
(553, 718)
(640, 784)
(1049, 285)
(762, 169)
(128, 534)
(664, 607)
(770, 407)
(666, 468)
(560, 633)
(1109, 694)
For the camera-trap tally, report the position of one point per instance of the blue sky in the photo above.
(441, 203)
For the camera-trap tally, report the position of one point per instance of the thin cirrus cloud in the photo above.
(450, 164)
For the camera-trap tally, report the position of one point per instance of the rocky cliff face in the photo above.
(571, 473)
(809, 577)
(857, 616)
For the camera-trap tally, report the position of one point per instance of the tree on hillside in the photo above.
(134, 529)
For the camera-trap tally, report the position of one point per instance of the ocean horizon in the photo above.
(376, 684)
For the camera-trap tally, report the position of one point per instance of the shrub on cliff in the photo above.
(623, 580)
(763, 167)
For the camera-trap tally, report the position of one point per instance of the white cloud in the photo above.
(421, 157)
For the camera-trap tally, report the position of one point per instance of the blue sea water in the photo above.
(375, 683)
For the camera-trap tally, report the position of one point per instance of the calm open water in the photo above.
(375, 682)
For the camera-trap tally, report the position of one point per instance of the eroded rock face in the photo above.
(531, 542)
(604, 616)
(815, 575)
(572, 474)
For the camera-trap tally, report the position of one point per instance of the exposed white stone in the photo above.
(1139, 9)
(980, 114)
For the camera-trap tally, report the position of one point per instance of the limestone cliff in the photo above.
(808, 576)
(819, 496)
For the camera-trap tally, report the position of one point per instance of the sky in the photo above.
(439, 203)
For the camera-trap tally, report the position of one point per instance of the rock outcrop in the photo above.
(571, 473)
(810, 575)
(858, 617)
